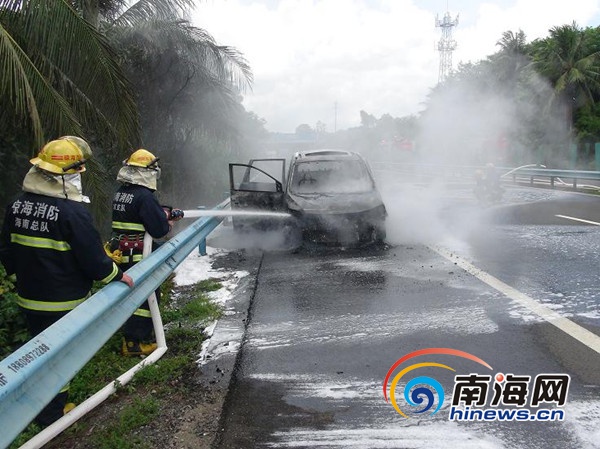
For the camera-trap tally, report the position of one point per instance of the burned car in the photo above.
(330, 194)
(333, 196)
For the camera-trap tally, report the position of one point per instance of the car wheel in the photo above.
(292, 234)
(378, 232)
(239, 227)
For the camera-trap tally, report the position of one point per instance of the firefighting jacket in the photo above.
(52, 246)
(135, 212)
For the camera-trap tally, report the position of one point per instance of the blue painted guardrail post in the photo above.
(32, 375)
(574, 154)
(202, 244)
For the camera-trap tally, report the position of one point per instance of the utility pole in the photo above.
(335, 117)
(446, 45)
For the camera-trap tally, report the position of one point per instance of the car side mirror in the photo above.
(278, 186)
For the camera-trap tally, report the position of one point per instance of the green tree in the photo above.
(188, 91)
(304, 130)
(367, 120)
(59, 75)
(512, 58)
(570, 59)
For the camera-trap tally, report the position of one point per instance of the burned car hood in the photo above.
(333, 203)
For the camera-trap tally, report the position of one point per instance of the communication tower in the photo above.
(446, 45)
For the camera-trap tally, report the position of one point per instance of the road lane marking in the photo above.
(578, 219)
(576, 331)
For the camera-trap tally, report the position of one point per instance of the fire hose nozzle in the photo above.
(176, 214)
(173, 214)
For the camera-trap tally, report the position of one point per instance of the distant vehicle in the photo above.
(487, 185)
(331, 195)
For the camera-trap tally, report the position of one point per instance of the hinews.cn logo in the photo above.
(475, 397)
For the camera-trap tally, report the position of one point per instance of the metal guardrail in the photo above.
(531, 172)
(31, 376)
(554, 174)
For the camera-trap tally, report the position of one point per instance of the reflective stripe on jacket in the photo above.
(136, 209)
(54, 250)
(124, 226)
(39, 242)
(135, 258)
(48, 306)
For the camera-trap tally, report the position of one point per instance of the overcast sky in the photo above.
(326, 60)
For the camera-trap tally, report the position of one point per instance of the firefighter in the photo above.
(75, 178)
(135, 212)
(49, 241)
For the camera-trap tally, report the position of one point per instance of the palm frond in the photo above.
(155, 37)
(144, 10)
(60, 44)
(28, 92)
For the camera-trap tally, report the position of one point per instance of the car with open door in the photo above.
(330, 194)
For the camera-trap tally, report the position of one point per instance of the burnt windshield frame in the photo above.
(357, 184)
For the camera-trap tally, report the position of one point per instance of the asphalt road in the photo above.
(515, 285)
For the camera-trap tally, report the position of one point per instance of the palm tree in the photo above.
(153, 39)
(188, 87)
(512, 57)
(59, 75)
(572, 65)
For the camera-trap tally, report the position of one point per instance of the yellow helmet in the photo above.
(81, 144)
(142, 158)
(60, 156)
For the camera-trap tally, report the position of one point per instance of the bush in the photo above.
(13, 328)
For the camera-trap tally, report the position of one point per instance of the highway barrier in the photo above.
(530, 173)
(533, 173)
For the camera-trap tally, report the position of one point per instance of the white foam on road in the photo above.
(326, 387)
(435, 435)
(581, 334)
(583, 418)
(196, 268)
(383, 428)
(428, 271)
(468, 320)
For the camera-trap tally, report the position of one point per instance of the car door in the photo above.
(257, 186)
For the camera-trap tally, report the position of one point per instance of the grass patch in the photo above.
(158, 374)
(197, 307)
(208, 285)
(104, 367)
(120, 434)
(139, 401)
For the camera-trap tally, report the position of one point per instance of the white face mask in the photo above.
(75, 180)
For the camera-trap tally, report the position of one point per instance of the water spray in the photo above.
(235, 213)
(522, 166)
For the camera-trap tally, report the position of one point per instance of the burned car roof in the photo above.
(330, 173)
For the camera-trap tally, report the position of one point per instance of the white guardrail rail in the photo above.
(554, 174)
(31, 376)
(527, 173)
